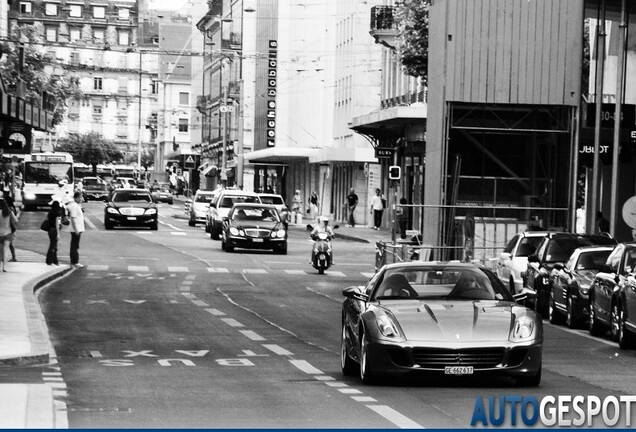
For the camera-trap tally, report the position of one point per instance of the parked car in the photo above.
(254, 226)
(197, 207)
(569, 294)
(554, 249)
(131, 207)
(94, 189)
(439, 318)
(277, 201)
(613, 296)
(221, 205)
(161, 193)
(513, 260)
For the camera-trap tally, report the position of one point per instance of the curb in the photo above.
(38, 331)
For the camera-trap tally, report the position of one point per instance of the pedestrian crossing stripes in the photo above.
(146, 271)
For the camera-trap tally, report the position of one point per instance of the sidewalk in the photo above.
(24, 340)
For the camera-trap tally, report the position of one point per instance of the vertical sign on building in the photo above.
(272, 77)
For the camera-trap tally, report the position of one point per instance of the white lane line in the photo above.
(138, 268)
(395, 417)
(296, 272)
(187, 282)
(58, 385)
(277, 349)
(325, 378)
(215, 312)
(51, 373)
(217, 270)
(232, 322)
(306, 367)
(335, 273)
(53, 379)
(184, 288)
(252, 335)
(172, 226)
(363, 399)
(144, 232)
(367, 274)
(255, 271)
(178, 269)
(95, 354)
(349, 391)
(89, 223)
(96, 267)
(336, 384)
(177, 233)
(191, 277)
(582, 334)
(200, 303)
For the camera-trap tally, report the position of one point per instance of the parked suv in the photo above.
(613, 296)
(513, 261)
(220, 208)
(554, 249)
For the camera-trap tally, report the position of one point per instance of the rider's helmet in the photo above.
(323, 220)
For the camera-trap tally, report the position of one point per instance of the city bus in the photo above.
(46, 175)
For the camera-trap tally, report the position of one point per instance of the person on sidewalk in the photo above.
(352, 203)
(7, 219)
(313, 206)
(297, 204)
(377, 208)
(76, 215)
(54, 217)
(14, 227)
(403, 218)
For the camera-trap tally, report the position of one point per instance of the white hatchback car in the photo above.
(513, 261)
(198, 206)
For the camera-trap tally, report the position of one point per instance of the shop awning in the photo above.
(209, 171)
(390, 120)
(280, 154)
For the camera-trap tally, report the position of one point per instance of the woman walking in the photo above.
(54, 218)
(7, 222)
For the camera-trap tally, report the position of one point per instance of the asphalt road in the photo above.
(164, 329)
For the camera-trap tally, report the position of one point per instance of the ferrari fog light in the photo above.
(523, 329)
(234, 231)
(387, 327)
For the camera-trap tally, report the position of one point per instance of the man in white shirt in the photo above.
(76, 215)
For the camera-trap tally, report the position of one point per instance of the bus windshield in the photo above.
(48, 172)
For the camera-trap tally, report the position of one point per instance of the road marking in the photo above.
(296, 272)
(52, 379)
(173, 227)
(218, 270)
(325, 378)
(177, 233)
(200, 303)
(187, 282)
(144, 232)
(349, 391)
(95, 354)
(367, 274)
(335, 273)
(96, 267)
(306, 367)
(395, 417)
(138, 268)
(215, 312)
(135, 301)
(232, 322)
(178, 269)
(255, 271)
(277, 349)
(336, 384)
(191, 277)
(252, 335)
(57, 374)
(363, 399)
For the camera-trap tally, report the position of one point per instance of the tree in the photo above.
(412, 28)
(34, 68)
(91, 149)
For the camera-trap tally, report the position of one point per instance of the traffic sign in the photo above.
(395, 172)
(189, 161)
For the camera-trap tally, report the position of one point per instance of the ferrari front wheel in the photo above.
(349, 367)
(365, 373)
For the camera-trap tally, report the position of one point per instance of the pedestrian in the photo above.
(14, 227)
(602, 224)
(352, 203)
(377, 208)
(403, 218)
(53, 217)
(8, 222)
(313, 206)
(297, 204)
(76, 215)
(469, 237)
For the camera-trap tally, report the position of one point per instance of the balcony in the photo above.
(383, 28)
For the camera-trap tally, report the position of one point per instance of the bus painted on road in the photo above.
(47, 175)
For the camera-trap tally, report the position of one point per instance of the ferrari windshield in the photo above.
(439, 283)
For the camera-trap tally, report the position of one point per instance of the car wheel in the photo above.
(108, 225)
(154, 226)
(191, 222)
(282, 249)
(593, 326)
(541, 305)
(614, 320)
(349, 367)
(625, 338)
(570, 320)
(222, 244)
(365, 374)
(321, 271)
(529, 381)
(207, 227)
(554, 316)
(512, 286)
(170, 202)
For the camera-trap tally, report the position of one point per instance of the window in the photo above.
(97, 110)
(183, 125)
(76, 11)
(123, 37)
(75, 58)
(155, 40)
(50, 9)
(123, 13)
(98, 35)
(75, 34)
(154, 87)
(123, 84)
(51, 34)
(97, 83)
(25, 7)
(99, 12)
(184, 98)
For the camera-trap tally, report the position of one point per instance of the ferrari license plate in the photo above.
(257, 240)
(458, 370)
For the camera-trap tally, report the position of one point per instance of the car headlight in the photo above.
(234, 231)
(29, 196)
(280, 233)
(112, 210)
(523, 330)
(584, 288)
(151, 211)
(387, 327)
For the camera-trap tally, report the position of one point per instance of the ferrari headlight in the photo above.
(523, 329)
(151, 211)
(234, 231)
(112, 210)
(387, 327)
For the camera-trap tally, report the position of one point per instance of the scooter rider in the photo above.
(322, 227)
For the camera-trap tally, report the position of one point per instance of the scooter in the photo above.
(322, 255)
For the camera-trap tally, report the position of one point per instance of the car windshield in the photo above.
(527, 246)
(440, 283)
(254, 214)
(131, 196)
(91, 182)
(275, 200)
(203, 198)
(592, 260)
(560, 248)
(229, 201)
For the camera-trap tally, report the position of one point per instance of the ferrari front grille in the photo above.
(439, 358)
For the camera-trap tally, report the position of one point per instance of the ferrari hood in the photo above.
(468, 321)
